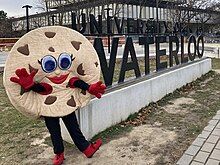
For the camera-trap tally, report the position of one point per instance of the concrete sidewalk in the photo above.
(205, 150)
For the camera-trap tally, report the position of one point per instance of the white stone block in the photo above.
(117, 105)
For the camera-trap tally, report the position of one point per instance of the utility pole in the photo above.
(27, 15)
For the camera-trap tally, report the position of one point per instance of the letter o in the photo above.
(201, 38)
(192, 56)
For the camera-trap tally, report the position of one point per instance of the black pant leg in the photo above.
(73, 127)
(53, 125)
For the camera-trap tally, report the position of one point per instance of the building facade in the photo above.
(59, 12)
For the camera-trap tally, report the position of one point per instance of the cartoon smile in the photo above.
(58, 80)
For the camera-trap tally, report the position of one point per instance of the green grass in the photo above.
(17, 131)
(216, 63)
(113, 132)
(128, 74)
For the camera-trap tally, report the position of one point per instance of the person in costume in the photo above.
(56, 72)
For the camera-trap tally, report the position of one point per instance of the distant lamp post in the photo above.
(27, 15)
(108, 27)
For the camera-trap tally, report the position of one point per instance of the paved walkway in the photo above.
(205, 150)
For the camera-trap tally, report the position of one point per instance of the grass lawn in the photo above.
(17, 132)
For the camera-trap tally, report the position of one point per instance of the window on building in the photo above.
(134, 11)
(139, 12)
(125, 10)
(130, 11)
(147, 12)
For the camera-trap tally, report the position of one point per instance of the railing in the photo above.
(7, 43)
(55, 4)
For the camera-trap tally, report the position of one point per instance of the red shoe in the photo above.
(93, 147)
(58, 159)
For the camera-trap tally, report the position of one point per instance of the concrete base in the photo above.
(118, 104)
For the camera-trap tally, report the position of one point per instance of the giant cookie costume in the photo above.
(55, 54)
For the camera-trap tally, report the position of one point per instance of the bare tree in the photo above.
(43, 5)
(186, 12)
(3, 15)
(60, 6)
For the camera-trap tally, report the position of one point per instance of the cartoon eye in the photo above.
(65, 61)
(48, 64)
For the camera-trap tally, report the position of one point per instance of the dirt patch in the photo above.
(40, 142)
(217, 71)
(179, 106)
(141, 146)
(208, 80)
(43, 157)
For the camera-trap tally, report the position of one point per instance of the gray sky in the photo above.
(14, 7)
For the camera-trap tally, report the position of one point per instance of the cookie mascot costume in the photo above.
(51, 72)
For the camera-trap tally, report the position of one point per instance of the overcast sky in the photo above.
(14, 7)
